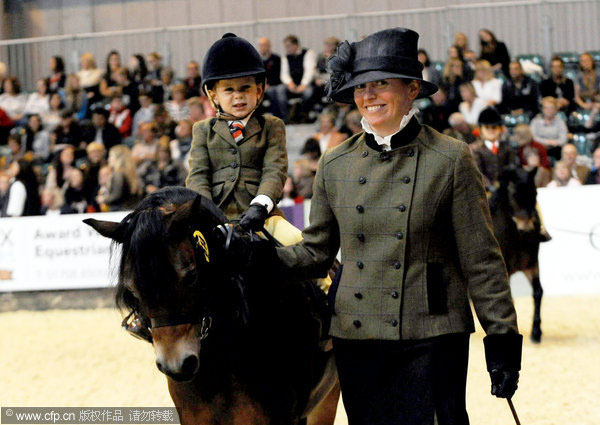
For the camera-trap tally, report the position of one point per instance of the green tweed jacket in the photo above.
(232, 174)
(416, 238)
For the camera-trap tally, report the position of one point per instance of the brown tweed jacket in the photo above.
(416, 238)
(232, 174)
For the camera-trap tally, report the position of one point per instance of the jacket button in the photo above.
(360, 265)
(394, 323)
(410, 152)
(362, 180)
(364, 154)
(233, 151)
(232, 178)
(399, 235)
(234, 165)
(361, 237)
(357, 324)
(402, 208)
(397, 265)
(358, 295)
(395, 295)
(360, 209)
(384, 156)
(406, 180)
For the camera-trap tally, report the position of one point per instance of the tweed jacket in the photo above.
(232, 174)
(492, 165)
(416, 238)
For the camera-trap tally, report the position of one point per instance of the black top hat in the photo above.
(231, 57)
(390, 53)
(489, 116)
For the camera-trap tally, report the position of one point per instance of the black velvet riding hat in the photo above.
(391, 53)
(489, 116)
(231, 57)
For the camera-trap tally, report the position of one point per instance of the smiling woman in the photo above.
(400, 312)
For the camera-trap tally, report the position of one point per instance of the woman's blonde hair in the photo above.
(88, 57)
(484, 65)
(550, 100)
(120, 160)
(447, 73)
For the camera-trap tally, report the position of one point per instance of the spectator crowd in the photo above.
(102, 138)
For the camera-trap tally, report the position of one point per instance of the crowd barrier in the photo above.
(535, 26)
(60, 252)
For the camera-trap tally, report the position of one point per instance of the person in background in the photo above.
(89, 77)
(562, 176)
(6, 125)
(569, 158)
(543, 175)
(16, 150)
(461, 42)
(549, 129)
(487, 87)
(519, 93)
(161, 92)
(4, 192)
(177, 108)
(120, 115)
(437, 113)
(460, 129)
(163, 171)
(144, 114)
(94, 160)
(23, 196)
(138, 70)
(353, 119)
(155, 66)
(193, 80)
(74, 192)
(123, 188)
(181, 145)
(57, 77)
(452, 78)
(471, 105)
(272, 64)
(38, 139)
(2, 76)
(39, 101)
(594, 176)
(63, 164)
(429, 72)
(113, 63)
(75, 98)
(329, 47)
(165, 126)
(145, 149)
(557, 85)
(470, 60)
(494, 51)
(523, 136)
(128, 89)
(53, 202)
(200, 108)
(587, 83)
(104, 132)
(328, 136)
(53, 116)
(12, 101)
(67, 133)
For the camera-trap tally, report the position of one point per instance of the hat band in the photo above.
(397, 64)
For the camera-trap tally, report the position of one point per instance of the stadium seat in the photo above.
(511, 120)
(568, 57)
(536, 59)
(439, 66)
(577, 120)
(583, 144)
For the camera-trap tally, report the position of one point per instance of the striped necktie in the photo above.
(237, 130)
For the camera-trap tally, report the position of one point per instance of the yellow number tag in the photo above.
(202, 243)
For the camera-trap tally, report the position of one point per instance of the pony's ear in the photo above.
(185, 211)
(108, 229)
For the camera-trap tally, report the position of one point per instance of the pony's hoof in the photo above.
(536, 336)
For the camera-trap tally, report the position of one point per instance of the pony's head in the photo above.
(171, 271)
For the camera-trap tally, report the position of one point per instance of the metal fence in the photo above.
(540, 27)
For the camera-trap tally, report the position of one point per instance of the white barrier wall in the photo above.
(42, 253)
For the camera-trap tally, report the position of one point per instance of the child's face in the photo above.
(237, 96)
(562, 172)
(491, 132)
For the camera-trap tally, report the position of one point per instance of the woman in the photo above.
(429, 72)
(487, 87)
(23, 196)
(162, 172)
(453, 77)
(562, 176)
(471, 105)
(57, 78)
(12, 101)
(90, 77)
(549, 129)
(59, 172)
(328, 136)
(113, 63)
(401, 316)
(587, 82)
(38, 102)
(138, 70)
(461, 41)
(53, 116)
(38, 139)
(177, 108)
(494, 51)
(123, 185)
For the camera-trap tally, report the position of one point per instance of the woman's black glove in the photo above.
(503, 358)
(254, 217)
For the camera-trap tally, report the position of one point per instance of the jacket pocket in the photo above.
(437, 289)
(252, 188)
(216, 190)
(333, 289)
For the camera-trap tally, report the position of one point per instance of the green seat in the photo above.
(595, 55)
(568, 57)
(439, 66)
(583, 144)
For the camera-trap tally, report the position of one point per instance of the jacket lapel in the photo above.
(252, 128)
(222, 129)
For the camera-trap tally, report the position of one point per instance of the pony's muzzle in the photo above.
(186, 372)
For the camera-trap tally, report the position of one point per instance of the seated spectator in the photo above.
(23, 196)
(91, 168)
(15, 148)
(453, 77)
(487, 87)
(549, 129)
(154, 62)
(104, 132)
(455, 53)
(53, 202)
(460, 129)
(290, 195)
(471, 106)
(53, 116)
(4, 192)
(12, 101)
(272, 63)
(89, 77)
(113, 63)
(200, 109)
(163, 171)
(429, 72)
(67, 133)
(461, 42)
(494, 51)
(144, 114)
(74, 192)
(329, 48)
(311, 150)
(138, 70)
(543, 175)
(470, 61)
(180, 146)
(437, 113)
(177, 108)
(57, 78)
(593, 122)
(76, 98)
(328, 136)
(38, 139)
(557, 85)
(519, 93)
(2, 76)
(104, 176)
(120, 116)
(121, 192)
(562, 176)
(128, 89)
(165, 126)
(594, 176)
(193, 80)
(587, 83)
(303, 176)
(145, 149)
(569, 157)
(161, 91)
(298, 71)
(524, 138)
(63, 164)
(6, 124)
(38, 102)
(353, 122)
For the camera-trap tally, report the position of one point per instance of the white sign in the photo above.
(570, 262)
(54, 252)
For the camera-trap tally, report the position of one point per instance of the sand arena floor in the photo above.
(82, 358)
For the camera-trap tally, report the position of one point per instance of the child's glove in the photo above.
(254, 217)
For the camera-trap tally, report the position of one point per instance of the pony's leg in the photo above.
(324, 413)
(538, 292)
